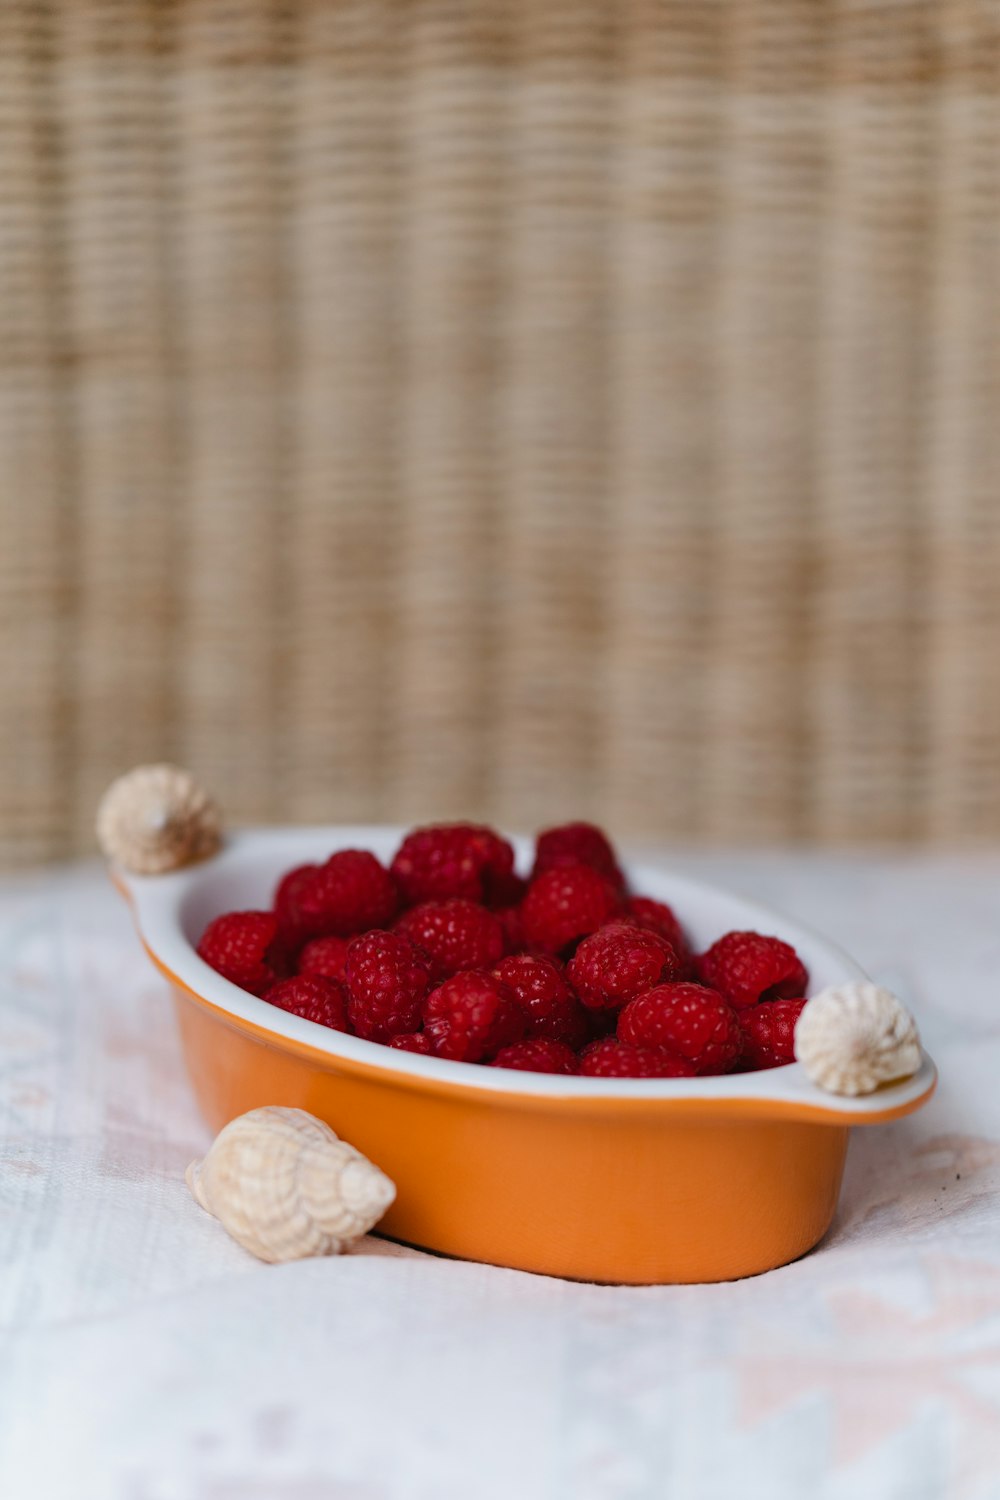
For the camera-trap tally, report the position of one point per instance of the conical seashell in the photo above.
(286, 1187)
(853, 1037)
(157, 818)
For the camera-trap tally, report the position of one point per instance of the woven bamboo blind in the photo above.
(414, 408)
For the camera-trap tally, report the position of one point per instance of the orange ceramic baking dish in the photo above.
(612, 1180)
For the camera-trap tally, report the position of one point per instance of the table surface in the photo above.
(144, 1356)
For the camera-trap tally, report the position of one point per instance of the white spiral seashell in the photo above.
(285, 1186)
(157, 818)
(851, 1038)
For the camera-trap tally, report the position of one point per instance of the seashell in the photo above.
(286, 1187)
(157, 818)
(851, 1038)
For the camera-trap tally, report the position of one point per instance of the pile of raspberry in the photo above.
(450, 953)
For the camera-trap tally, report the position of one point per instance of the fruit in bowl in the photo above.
(416, 956)
(583, 1101)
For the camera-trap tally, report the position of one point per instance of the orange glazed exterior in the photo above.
(610, 1190)
(623, 1180)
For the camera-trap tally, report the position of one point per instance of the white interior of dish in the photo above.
(172, 911)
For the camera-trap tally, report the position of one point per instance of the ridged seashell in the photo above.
(851, 1038)
(286, 1187)
(157, 818)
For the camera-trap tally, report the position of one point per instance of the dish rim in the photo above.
(158, 905)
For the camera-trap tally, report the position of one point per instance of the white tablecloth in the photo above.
(143, 1356)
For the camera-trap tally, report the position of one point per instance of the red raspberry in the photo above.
(565, 904)
(746, 968)
(313, 996)
(618, 962)
(692, 1021)
(325, 956)
(292, 929)
(411, 1041)
(351, 893)
(471, 1017)
(656, 916)
(539, 1056)
(453, 935)
(539, 986)
(243, 946)
(577, 844)
(769, 1033)
(611, 1058)
(452, 859)
(387, 980)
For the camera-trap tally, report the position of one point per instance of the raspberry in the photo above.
(539, 986)
(314, 997)
(351, 893)
(539, 1056)
(453, 859)
(387, 980)
(656, 916)
(471, 1017)
(692, 1021)
(769, 1033)
(326, 955)
(565, 904)
(292, 930)
(618, 962)
(243, 946)
(746, 967)
(454, 935)
(577, 844)
(611, 1058)
(411, 1041)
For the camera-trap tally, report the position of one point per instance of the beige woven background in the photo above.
(516, 409)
